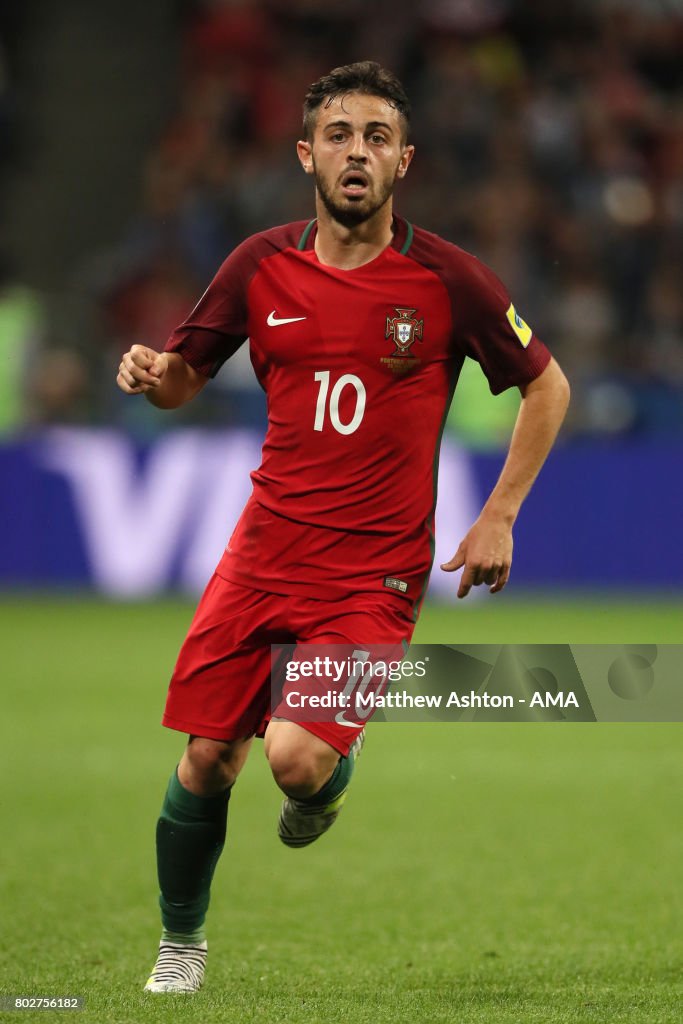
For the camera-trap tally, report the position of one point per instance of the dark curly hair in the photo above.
(366, 76)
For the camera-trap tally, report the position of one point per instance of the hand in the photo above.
(486, 553)
(141, 369)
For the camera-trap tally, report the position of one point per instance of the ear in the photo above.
(304, 151)
(404, 162)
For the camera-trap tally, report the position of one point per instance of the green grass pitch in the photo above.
(479, 873)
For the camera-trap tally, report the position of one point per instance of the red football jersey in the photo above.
(359, 367)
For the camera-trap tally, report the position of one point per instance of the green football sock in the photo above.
(190, 838)
(335, 785)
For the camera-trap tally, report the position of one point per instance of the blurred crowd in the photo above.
(549, 143)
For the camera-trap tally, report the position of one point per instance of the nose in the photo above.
(358, 154)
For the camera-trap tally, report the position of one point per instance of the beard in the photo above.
(352, 212)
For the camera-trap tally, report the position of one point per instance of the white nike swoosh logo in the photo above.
(274, 321)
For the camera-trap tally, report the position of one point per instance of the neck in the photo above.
(348, 248)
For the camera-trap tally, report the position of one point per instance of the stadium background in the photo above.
(138, 144)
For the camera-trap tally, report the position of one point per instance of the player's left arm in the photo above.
(486, 550)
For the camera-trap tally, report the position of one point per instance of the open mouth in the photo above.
(354, 184)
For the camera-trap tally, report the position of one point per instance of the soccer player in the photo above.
(358, 324)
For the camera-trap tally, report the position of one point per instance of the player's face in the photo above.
(356, 155)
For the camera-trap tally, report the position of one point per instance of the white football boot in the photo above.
(178, 968)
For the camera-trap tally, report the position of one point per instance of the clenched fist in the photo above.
(141, 369)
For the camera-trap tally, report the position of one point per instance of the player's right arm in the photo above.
(165, 379)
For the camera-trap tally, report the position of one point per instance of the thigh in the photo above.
(359, 629)
(220, 688)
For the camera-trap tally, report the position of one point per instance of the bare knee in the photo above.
(210, 766)
(300, 762)
(295, 775)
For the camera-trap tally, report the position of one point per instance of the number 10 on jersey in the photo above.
(346, 380)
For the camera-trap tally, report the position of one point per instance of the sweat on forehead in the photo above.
(354, 92)
(341, 105)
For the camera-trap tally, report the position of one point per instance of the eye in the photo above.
(376, 139)
(337, 137)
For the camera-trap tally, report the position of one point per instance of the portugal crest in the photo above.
(404, 329)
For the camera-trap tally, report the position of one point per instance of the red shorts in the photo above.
(221, 686)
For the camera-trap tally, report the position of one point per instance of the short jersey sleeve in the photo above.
(217, 325)
(488, 328)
